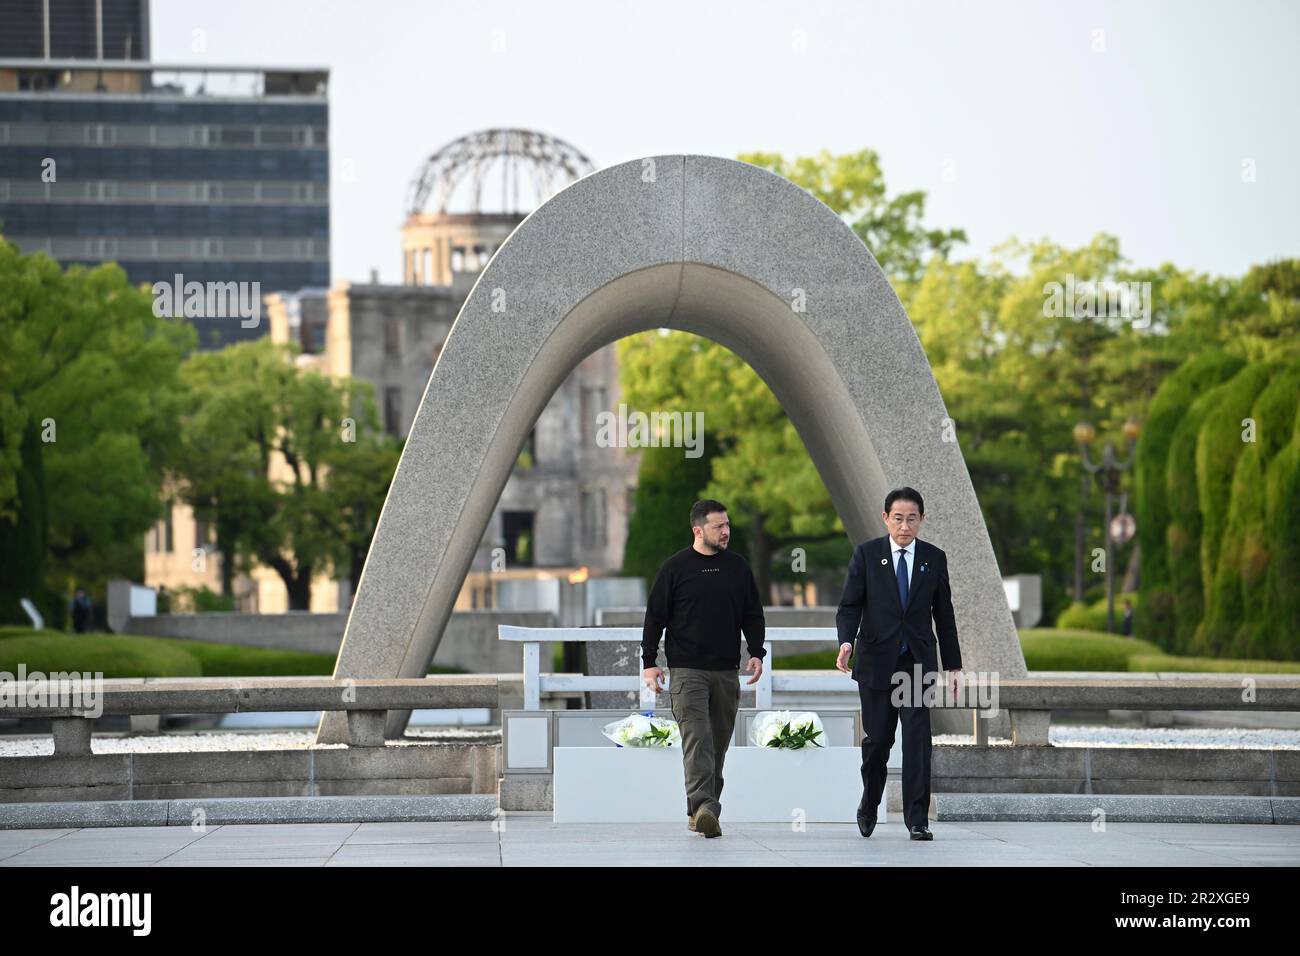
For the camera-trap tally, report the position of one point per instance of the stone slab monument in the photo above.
(707, 245)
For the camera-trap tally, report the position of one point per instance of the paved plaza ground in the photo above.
(531, 839)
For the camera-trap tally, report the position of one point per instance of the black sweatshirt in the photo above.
(704, 600)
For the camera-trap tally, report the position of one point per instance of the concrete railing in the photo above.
(537, 683)
(468, 641)
(1029, 701)
(366, 702)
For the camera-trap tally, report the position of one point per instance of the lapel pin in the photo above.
(884, 560)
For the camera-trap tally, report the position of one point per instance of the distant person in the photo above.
(82, 611)
(705, 596)
(1126, 626)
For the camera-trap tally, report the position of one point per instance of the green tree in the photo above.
(87, 361)
(1270, 331)
(1017, 369)
(762, 471)
(853, 185)
(24, 542)
(260, 438)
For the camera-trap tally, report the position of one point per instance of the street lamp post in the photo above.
(1111, 469)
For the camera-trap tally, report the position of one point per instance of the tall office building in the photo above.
(213, 180)
(75, 29)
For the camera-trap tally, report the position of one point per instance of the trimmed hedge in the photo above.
(1057, 649)
(1219, 448)
(1281, 605)
(1045, 649)
(1183, 535)
(1178, 390)
(1092, 617)
(115, 655)
(130, 655)
(1234, 621)
(1209, 665)
(1221, 540)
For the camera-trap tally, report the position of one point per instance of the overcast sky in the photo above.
(1028, 119)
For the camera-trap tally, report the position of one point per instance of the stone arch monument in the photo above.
(712, 246)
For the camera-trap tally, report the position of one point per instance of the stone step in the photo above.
(1117, 808)
(237, 810)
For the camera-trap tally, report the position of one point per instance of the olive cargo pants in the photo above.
(704, 705)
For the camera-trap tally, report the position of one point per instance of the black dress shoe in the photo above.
(921, 833)
(866, 822)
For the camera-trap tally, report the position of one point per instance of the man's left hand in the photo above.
(755, 667)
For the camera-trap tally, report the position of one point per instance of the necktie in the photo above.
(902, 590)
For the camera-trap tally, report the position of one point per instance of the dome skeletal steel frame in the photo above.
(548, 163)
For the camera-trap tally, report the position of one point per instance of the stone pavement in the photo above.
(531, 839)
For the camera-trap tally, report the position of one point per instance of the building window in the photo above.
(594, 526)
(163, 534)
(393, 411)
(602, 522)
(393, 337)
(517, 529)
(458, 259)
(307, 338)
(594, 400)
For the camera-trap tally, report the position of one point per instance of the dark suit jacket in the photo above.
(872, 620)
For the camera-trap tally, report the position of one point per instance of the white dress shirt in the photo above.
(911, 560)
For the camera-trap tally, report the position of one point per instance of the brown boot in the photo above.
(706, 822)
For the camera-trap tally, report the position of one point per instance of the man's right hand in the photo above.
(653, 678)
(842, 662)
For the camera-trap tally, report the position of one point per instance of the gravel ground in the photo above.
(1227, 738)
(1068, 736)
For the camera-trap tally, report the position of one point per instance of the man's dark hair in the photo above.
(701, 510)
(904, 494)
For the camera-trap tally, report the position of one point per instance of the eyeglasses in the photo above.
(911, 520)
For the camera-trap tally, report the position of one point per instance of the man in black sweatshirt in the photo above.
(705, 596)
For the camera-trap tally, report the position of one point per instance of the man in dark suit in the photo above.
(894, 585)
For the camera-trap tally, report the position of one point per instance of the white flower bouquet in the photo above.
(642, 730)
(786, 730)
